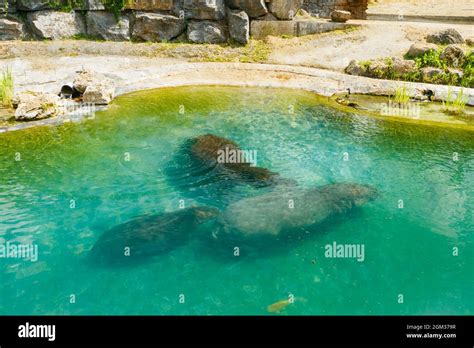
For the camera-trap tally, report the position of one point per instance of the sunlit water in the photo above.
(123, 164)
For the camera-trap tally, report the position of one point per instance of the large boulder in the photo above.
(445, 37)
(239, 26)
(402, 67)
(454, 55)
(354, 68)
(431, 75)
(33, 5)
(10, 29)
(419, 49)
(106, 26)
(35, 105)
(340, 16)
(285, 9)
(157, 27)
(206, 32)
(254, 8)
(99, 94)
(204, 9)
(56, 25)
(94, 87)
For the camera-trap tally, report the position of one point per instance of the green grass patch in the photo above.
(455, 105)
(6, 88)
(401, 95)
(86, 37)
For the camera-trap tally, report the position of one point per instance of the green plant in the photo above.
(431, 58)
(365, 64)
(6, 88)
(256, 51)
(114, 6)
(86, 37)
(455, 105)
(401, 95)
(467, 79)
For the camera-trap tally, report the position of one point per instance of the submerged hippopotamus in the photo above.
(287, 209)
(149, 235)
(231, 162)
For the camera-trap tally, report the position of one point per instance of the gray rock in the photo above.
(454, 55)
(178, 8)
(95, 87)
(106, 26)
(56, 25)
(262, 29)
(157, 27)
(207, 32)
(89, 5)
(377, 68)
(431, 75)
(419, 49)
(340, 16)
(456, 72)
(445, 37)
(85, 78)
(267, 17)
(402, 66)
(354, 68)
(33, 5)
(303, 13)
(285, 9)
(35, 105)
(10, 29)
(99, 94)
(204, 9)
(239, 26)
(7, 6)
(254, 8)
(357, 69)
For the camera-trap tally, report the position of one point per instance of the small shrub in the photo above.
(454, 105)
(6, 88)
(401, 95)
(431, 58)
(468, 71)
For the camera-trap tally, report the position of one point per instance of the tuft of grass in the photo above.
(256, 51)
(86, 37)
(455, 105)
(401, 95)
(6, 88)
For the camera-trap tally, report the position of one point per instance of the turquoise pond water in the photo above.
(118, 166)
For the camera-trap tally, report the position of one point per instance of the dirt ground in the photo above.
(458, 8)
(374, 39)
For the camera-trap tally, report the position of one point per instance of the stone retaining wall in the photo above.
(323, 8)
(199, 21)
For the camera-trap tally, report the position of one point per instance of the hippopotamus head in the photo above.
(204, 213)
(361, 194)
(357, 194)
